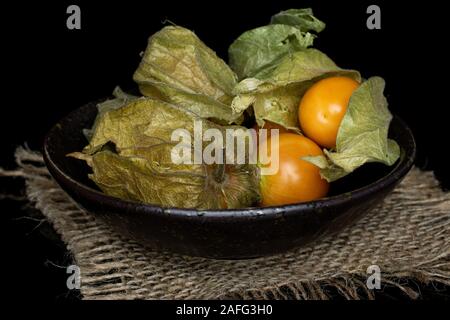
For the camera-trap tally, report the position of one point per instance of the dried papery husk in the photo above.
(275, 93)
(141, 168)
(179, 68)
(362, 135)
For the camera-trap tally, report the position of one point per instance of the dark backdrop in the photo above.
(49, 70)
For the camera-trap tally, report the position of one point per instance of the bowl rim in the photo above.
(400, 169)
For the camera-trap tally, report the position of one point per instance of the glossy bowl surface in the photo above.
(223, 234)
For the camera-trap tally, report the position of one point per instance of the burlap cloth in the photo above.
(406, 236)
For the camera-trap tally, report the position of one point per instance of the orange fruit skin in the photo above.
(322, 108)
(296, 180)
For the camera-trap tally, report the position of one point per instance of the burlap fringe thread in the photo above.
(406, 236)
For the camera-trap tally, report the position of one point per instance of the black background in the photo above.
(49, 70)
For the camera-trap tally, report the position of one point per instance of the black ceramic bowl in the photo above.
(224, 234)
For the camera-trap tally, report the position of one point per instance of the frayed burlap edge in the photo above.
(407, 237)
